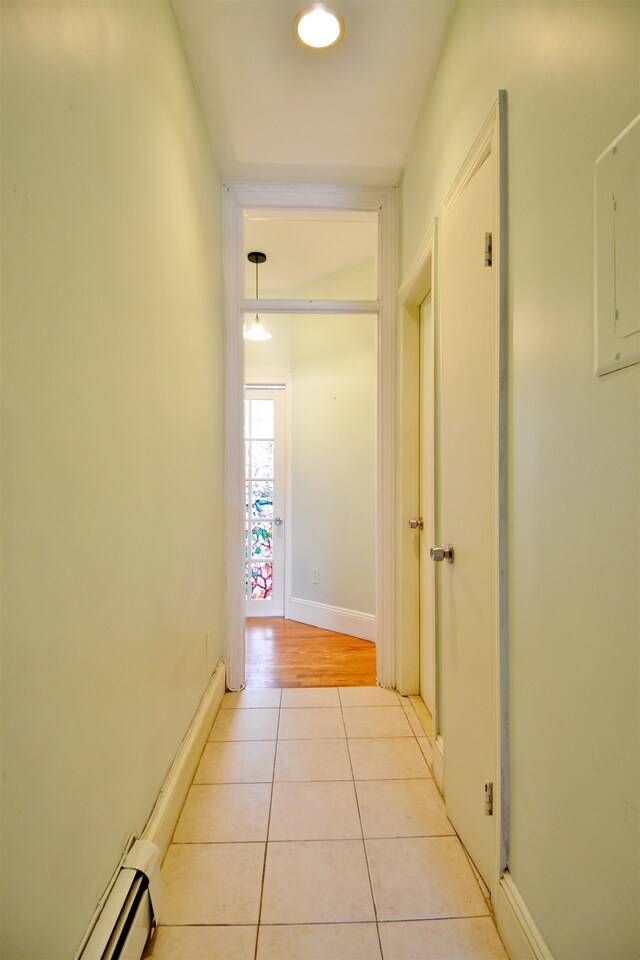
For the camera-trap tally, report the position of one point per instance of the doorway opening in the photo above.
(309, 539)
(310, 438)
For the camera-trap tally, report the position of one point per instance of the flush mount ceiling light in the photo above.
(318, 27)
(256, 331)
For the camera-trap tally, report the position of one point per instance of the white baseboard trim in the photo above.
(164, 816)
(515, 924)
(438, 763)
(338, 619)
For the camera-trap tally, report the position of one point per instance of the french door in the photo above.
(264, 438)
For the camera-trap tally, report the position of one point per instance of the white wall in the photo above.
(265, 357)
(353, 283)
(332, 361)
(112, 457)
(572, 72)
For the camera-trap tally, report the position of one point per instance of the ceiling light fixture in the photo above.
(318, 27)
(256, 331)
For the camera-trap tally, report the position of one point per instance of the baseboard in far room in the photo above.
(515, 924)
(338, 619)
(164, 817)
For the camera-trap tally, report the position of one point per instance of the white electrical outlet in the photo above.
(315, 575)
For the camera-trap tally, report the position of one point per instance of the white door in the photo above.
(427, 506)
(264, 432)
(468, 508)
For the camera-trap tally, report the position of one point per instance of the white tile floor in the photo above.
(314, 831)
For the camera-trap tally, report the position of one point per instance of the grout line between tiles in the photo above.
(355, 923)
(333, 923)
(394, 836)
(266, 845)
(364, 846)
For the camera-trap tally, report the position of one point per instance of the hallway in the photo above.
(314, 831)
(136, 136)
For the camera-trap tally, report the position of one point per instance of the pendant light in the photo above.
(256, 331)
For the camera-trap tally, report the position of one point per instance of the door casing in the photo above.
(238, 197)
(428, 505)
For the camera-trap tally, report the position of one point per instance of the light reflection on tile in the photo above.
(368, 697)
(251, 699)
(376, 722)
(321, 881)
(258, 724)
(310, 697)
(323, 941)
(473, 938)
(423, 878)
(311, 723)
(247, 761)
(314, 811)
(203, 943)
(312, 760)
(212, 883)
(387, 758)
(224, 812)
(402, 808)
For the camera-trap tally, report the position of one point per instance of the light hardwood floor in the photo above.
(285, 653)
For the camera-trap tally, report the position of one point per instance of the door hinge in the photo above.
(488, 249)
(488, 798)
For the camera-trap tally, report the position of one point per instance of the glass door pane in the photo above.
(263, 554)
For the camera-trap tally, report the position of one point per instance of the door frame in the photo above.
(419, 281)
(237, 197)
(428, 660)
(421, 276)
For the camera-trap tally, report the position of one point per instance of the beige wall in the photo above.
(332, 362)
(572, 72)
(353, 283)
(112, 457)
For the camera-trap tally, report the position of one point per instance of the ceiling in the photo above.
(280, 112)
(303, 246)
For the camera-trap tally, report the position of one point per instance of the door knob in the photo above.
(442, 553)
(277, 521)
(417, 524)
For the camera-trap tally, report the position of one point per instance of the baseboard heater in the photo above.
(131, 907)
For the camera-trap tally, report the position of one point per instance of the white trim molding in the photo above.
(169, 802)
(338, 619)
(438, 763)
(419, 280)
(239, 197)
(164, 816)
(516, 926)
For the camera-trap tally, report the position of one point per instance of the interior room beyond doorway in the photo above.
(285, 653)
(310, 449)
